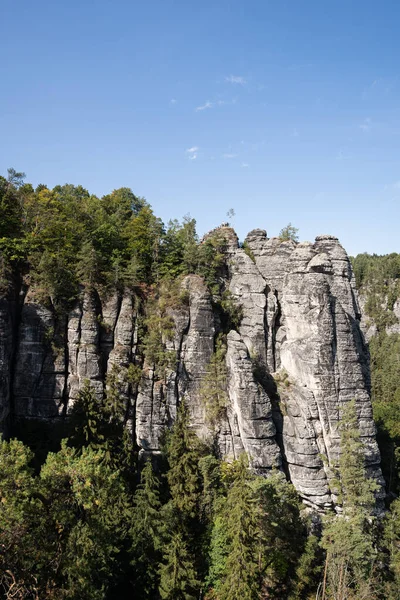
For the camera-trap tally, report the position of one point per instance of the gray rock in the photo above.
(298, 356)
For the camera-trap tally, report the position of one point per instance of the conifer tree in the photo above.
(308, 570)
(178, 580)
(213, 386)
(184, 474)
(87, 419)
(392, 543)
(348, 540)
(146, 534)
(241, 517)
(282, 532)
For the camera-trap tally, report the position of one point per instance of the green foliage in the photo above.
(179, 252)
(85, 487)
(70, 238)
(378, 278)
(213, 390)
(159, 325)
(392, 543)
(178, 580)
(241, 516)
(248, 251)
(184, 477)
(99, 423)
(61, 531)
(385, 387)
(289, 233)
(146, 534)
(75, 525)
(374, 268)
(160, 329)
(142, 235)
(308, 570)
(283, 532)
(232, 311)
(212, 260)
(349, 540)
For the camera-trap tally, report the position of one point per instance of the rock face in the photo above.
(297, 356)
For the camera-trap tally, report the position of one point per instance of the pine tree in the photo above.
(89, 267)
(241, 516)
(178, 580)
(184, 475)
(308, 570)
(146, 534)
(392, 543)
(348, 540)
(87, 419)
(282, 532)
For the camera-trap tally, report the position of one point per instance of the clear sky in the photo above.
(282, 110)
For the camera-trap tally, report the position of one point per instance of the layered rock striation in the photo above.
(291, 364)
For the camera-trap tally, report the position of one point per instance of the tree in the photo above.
(213, 390)
(146, 534)
(237, 574)
(15, 178)
(89, 267)
(308, 570)
(212, 260)
(231, 214)
(282, 532)
(392, 543)
(90, 511)
(179, 248)
(349, 540)
(289, 233)
(88, 419)
(142, 236)
(27, 548)
(10, 210)
(184, 477)
(178, 580)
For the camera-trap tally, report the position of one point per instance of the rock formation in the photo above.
(297, 356)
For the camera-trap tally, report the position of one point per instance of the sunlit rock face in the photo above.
(296, 358)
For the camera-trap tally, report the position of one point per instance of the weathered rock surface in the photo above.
(297, 357)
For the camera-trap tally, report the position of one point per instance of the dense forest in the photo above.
(89, 517)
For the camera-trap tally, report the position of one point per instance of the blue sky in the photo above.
(283, 111)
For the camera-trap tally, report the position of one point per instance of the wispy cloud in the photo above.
(382, 86)
(204, 106)
(173, 101)
(392, 186)
(342, 155)
(229, 155)
(366, 125)
(192, 152)
(236, 79)
(244, 165)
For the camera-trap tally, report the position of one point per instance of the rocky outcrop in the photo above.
(292, 363)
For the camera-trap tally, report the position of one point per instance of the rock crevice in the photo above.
(297, 356)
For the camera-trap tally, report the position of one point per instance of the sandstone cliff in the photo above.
(296, 358)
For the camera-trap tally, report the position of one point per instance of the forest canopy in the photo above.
(93, 517)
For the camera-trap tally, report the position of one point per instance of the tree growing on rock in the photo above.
(289, 233)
